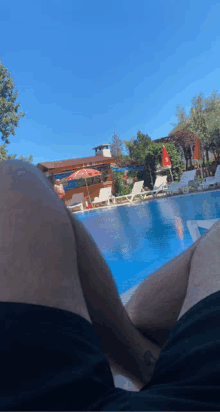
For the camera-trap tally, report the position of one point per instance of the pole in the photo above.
(88, 192)
(197, 160)
(171, 174)
(201, 173)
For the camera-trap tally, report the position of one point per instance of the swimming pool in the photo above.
(137, 239)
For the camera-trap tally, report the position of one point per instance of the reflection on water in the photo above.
(137, 239)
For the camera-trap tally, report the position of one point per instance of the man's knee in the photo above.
(37, 243)
(23, 186)
(17, 168)
(17, 172)
(204, 277)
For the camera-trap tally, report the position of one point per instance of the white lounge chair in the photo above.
(159, 185)
(183, 185)
(212, 180)
(193, 227)
(78, 200)
(109, 191)
(104, 196)
(136, 190)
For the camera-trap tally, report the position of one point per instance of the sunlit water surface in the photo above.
(135, 240)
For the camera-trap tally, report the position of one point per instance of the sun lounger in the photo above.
(183, 185)
(137, 190)
(77, 201)
(159, 185)
(104, 196)
(109, 191)
(193, 227)
(213, 180)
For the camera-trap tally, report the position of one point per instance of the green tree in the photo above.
(204, 121)
(28, 159)
(5, 156)
(182, 120)
(212, 112)
(117, 148)
(137, 147)
(198, 121)
(125, 161)
(130, 148)
(116, 145)
(9, 115)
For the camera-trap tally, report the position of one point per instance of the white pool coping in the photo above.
(149, 198)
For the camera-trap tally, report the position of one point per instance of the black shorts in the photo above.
(52, 360)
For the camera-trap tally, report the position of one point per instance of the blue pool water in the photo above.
(135, 240)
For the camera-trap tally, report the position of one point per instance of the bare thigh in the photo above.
(37, 245)
(204, 277)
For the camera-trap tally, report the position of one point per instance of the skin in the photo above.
(152, 310)
(204, 278)
(58, 187)
(38, 242)
(41, 238)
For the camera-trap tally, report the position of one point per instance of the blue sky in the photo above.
(86, 69)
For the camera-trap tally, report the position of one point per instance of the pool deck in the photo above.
(148, 198)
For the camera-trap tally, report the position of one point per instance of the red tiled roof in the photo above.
(75, 162)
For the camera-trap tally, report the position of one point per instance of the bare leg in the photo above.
(156, 304)
(204, 278)
(37, 244)
(127, 351)
(154, 308)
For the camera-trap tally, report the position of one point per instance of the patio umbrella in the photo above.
(84, 174)
(166, 163)
(197, 155)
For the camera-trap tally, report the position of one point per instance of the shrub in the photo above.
(154, 157)
(132, 173)
(119, 188)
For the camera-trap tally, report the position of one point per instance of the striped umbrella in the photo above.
(84, 174)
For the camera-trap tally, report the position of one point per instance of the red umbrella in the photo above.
(165, 158)
(197, 155)
(84, 174)
(166, 163)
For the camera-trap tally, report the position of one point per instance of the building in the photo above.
(102, 150)
(102, 161)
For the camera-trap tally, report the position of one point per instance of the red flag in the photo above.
(165, 158)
